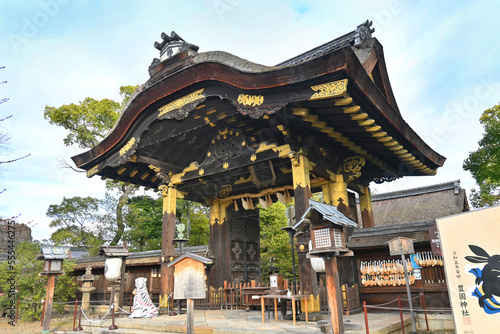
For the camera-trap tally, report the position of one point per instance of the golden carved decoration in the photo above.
(93, 171)
(127, 146)
(121, 170)
(225, 190)
(179, 103)
(243, 180)
(285, 170)
(225, 165)
(154, 168)
(250, 100)
(164, 190)
(353, 165)
(329, 90)
(253, 157)
(201, 172)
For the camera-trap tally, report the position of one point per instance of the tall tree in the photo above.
(275, 245)
(484, 163)
(88, 122)
(144, 219)
(79, 223)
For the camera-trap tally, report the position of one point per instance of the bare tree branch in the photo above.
(3, 119)
(64, 164)
(14, 160)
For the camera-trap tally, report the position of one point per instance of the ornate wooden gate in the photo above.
(245, 241)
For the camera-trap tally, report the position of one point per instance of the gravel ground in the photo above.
(25, 327)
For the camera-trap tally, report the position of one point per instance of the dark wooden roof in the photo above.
(419, 204)
(379, 235)
(218, 125)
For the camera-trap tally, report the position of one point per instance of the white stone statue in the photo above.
(143, 306)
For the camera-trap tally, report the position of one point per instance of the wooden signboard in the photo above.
(189, 278)
(471, 251)
(435, 241)
(401, 246)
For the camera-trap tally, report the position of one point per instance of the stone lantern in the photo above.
(87, 287)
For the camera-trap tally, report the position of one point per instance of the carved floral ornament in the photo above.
(329, 90)
(353, 166)
(180, 108)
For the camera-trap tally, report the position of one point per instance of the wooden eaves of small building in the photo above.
(217, 129)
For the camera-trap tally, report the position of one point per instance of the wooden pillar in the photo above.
(51, 280)
(167, 241)
(334, 294)
(219, 244)
(338, 193)
(325, 189)
(302, 194)
(365, 203)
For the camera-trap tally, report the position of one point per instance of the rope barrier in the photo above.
(165, 300)
(392, 301)
(408, 309)
(118, 307)
(101, 319)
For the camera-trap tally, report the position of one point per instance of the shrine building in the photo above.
(220, 130)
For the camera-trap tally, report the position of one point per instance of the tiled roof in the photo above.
(354, 38)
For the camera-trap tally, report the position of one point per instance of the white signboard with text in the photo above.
(471, 250)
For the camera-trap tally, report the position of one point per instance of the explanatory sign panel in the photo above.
(471, 251)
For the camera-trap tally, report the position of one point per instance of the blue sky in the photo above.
(441, 58)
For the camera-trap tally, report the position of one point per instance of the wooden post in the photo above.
(302, 193)
(334, 294)
(422, 298)
(365, 203)
(167, 241)
(338, 193)
(74, 316)
(190, 316)
(51, 280)
(366, 317)
(401, 315)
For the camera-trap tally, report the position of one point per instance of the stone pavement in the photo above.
(237, 321)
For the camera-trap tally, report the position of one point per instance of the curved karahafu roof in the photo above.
(217, 125)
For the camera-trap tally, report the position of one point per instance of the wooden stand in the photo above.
(334, 294)
(190, 316)
(48, 302)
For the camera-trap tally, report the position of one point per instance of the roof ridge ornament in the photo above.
(363, 32)
(173, 44)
